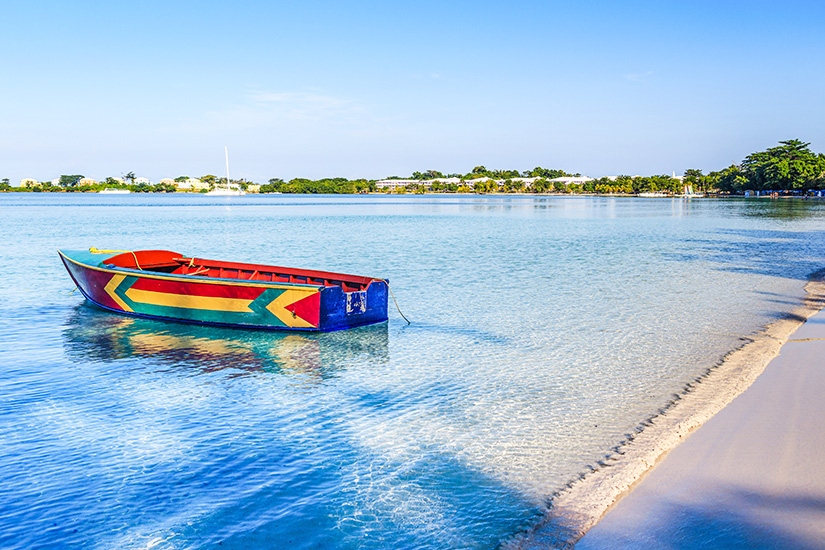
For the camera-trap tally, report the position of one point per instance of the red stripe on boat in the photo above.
(308, 309)
(192, 288)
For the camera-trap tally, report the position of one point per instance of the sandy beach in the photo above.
(751, 477)
(597, 510)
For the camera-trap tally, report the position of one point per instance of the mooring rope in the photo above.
(396, 301)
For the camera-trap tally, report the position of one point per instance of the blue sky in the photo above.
(373, 89)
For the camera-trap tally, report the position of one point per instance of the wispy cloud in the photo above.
(302, 104)
(638, 77)
(295, 110)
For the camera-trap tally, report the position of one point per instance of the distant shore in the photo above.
(782, 195)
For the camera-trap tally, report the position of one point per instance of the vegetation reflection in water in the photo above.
(96, 335)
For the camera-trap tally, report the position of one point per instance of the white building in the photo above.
(29, 182)
(138, 181)
(567, 180)
(86, 181)
(197, 184)
(184, 185)
(528, 182)
(446, 181)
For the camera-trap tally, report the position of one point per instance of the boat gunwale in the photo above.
(196, 278)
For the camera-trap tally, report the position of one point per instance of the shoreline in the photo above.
(432, 193)
(577, 507)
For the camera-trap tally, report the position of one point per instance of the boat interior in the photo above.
(165, 261)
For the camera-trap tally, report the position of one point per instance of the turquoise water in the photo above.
(543, 330)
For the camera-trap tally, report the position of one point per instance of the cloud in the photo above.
(302, 104)
(294, 111)
(638, 77)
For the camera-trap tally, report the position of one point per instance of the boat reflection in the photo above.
(92, 334)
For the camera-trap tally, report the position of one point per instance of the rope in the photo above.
(396, 301)
(94, 250)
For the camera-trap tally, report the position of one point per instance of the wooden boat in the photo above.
(162, 284)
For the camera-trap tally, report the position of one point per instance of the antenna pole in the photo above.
(226, 150)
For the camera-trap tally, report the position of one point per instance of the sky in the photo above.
(376, 89)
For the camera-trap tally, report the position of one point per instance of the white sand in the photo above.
(577, 508)
(752, 477)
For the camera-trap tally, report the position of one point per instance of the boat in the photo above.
(650, 194)
(114, 191)
(161, 284)
(226, 191)
(689, 193)
(230, 189)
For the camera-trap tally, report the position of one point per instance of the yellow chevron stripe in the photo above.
(188, 301)
(276, 307)
(110, 290)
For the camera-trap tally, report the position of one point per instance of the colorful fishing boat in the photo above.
(162, 284)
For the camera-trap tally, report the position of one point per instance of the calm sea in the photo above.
(543, 330)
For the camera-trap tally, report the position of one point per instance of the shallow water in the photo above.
(544, 329)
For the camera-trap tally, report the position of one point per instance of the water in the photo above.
(544, 330)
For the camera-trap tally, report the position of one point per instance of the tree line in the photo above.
(790, 166)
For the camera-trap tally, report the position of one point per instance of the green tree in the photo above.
(69, 181)
(130, 177)
(731, 180)
(4, 184)
(111, 182)
(539, 172)
(695, 178)
(790, 165)
(275, 185)
(428, 175)
(483, 186)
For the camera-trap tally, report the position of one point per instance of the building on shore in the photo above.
(569, 180)
(29, 182)
(197, 185)
(394, 184)
(86, 181)
(182, 185)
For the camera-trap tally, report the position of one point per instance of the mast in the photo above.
(226, 150)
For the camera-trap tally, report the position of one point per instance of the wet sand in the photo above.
(751, 477)
(584, 502)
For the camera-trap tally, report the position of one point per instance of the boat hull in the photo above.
(227, 302)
